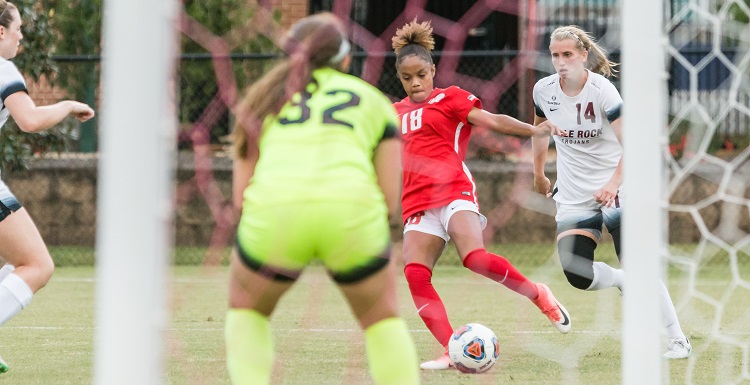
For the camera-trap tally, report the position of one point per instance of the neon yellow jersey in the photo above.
(320, 145)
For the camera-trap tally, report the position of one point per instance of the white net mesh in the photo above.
(708, 192)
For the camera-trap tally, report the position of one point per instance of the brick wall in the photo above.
(60, 194)
(42, 92)
(291, 10)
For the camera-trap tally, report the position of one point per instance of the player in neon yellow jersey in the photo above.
(317, 179)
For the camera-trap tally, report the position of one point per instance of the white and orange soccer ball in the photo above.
(473, 348)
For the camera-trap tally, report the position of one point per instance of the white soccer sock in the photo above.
(7, 269)
(15, 295)
(606, 276)
(669, 314)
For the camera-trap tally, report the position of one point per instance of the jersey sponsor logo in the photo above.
(584, 133)
(471, 97)
(553, 109)
(467, 193)
(552, 102)
(437, 98)
(581, 136)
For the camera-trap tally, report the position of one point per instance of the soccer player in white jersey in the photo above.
(28, 263)
(588, 191)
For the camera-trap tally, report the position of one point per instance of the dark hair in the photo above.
(313, 42)
(413, 39)
(6, 16)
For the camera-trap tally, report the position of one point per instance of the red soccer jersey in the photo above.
(435, 137)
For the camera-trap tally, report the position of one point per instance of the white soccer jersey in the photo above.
(588, 156)
(11, 81)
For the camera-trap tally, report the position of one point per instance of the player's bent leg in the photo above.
(421, 251)
(257, 286)
(390, 349)
(391, 353)
(249, 346)
(253, 295)
(576, 252)
(500, 270)
(22, 247)
(428, 303)
(465, 228)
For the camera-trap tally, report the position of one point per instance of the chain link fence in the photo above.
(59, 188)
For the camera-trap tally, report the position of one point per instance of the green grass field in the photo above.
(318, 342)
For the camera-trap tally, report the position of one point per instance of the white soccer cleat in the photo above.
(550, 307)
(678, 348)
(441, 363)
(3, 366)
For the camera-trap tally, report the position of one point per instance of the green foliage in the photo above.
(34, 60)
(198, 82)
(77, 27)
(17, 147)
(738, 14)
(39, 38)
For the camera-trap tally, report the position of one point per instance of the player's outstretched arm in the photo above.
(539, 147)
(32, 118)
(509, 125)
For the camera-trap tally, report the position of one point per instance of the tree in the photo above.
(16, 146)
(197, 78)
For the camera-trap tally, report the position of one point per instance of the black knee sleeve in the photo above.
(577, 258)
(615, 233)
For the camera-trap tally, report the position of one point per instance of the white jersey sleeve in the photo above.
(589, 153)
(11, 81)
(611, 101)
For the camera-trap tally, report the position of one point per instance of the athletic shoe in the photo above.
(556, 313)
(441, 363)
(678, 348)
(3, 366)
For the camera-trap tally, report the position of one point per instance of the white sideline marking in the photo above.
(463, 281)
(318, 330)
(176, 280)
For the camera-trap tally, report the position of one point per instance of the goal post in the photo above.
(134, 192)
(644, 93)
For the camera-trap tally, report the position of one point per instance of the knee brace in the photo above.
(577, 259)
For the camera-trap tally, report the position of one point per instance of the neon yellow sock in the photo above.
(249, 347)
(391, 352)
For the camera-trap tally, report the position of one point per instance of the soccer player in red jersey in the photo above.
(439, 200)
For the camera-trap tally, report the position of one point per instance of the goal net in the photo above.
(496, 50)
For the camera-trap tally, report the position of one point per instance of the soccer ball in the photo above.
(473, 348)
